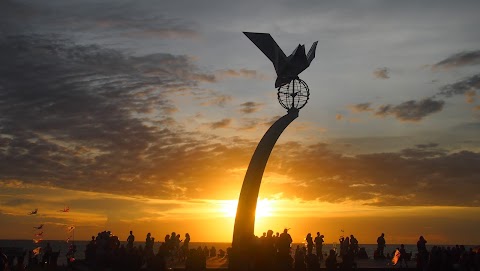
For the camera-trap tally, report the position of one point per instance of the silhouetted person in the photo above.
(422, 257)
(172, 241)
(403, 256)
(284, 241)
(71, 254)
(167, 240)
(148, 240)
(331, 261)
(309, 241)
(185, 244)
(344, 247)
(381, 245)
(319, 245)
(130, 240)
(213, 251)
(354, 244)
(421, 245)
(91, 250)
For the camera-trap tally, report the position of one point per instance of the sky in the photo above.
(143, 116)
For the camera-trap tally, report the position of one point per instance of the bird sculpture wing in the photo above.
(311, 52)
(270, 48)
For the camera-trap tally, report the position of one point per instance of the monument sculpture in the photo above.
(293, 94)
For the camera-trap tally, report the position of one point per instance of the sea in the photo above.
(62, 246)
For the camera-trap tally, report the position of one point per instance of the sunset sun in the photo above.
(265, 208)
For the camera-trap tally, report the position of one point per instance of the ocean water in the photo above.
(62, 246)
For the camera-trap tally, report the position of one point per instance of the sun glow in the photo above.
(264, 208)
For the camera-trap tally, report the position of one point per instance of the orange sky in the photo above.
(212, 220)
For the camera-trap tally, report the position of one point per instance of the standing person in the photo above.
(344, 247)
(285, 240)
(421, 245)
(130, 240)
(403, 256)
(309, 243)
(381, 244)
(184, 249)
(318, 245)
(354, 244)
(149, 245)
(422, 257)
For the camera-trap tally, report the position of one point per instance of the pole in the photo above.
(243, 232)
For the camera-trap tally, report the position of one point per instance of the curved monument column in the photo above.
(243, 232)
(293, 94)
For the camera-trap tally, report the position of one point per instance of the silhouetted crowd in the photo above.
(105, 251)
(446, 258)
(269, 252)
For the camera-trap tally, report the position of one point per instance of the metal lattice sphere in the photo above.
(294, 94)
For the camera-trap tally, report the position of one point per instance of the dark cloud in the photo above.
(250, 107)
(462, 87)
(411, 110)
(90, 118)
(102, 20)
(459, 60)
(412, 176)
(362, 107)
(382, 73)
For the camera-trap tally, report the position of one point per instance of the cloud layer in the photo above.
(411, 110)
(467, 58)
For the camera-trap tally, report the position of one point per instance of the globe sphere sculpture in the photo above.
(293, 95)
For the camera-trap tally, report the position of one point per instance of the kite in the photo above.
(70, 228)
(36, 251)
(34, 212)
(287, 68)
(39, 234)
(39, 227)
(65, 210)
(36, 241)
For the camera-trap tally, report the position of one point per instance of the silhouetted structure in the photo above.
(287, 68)
(293, 95)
